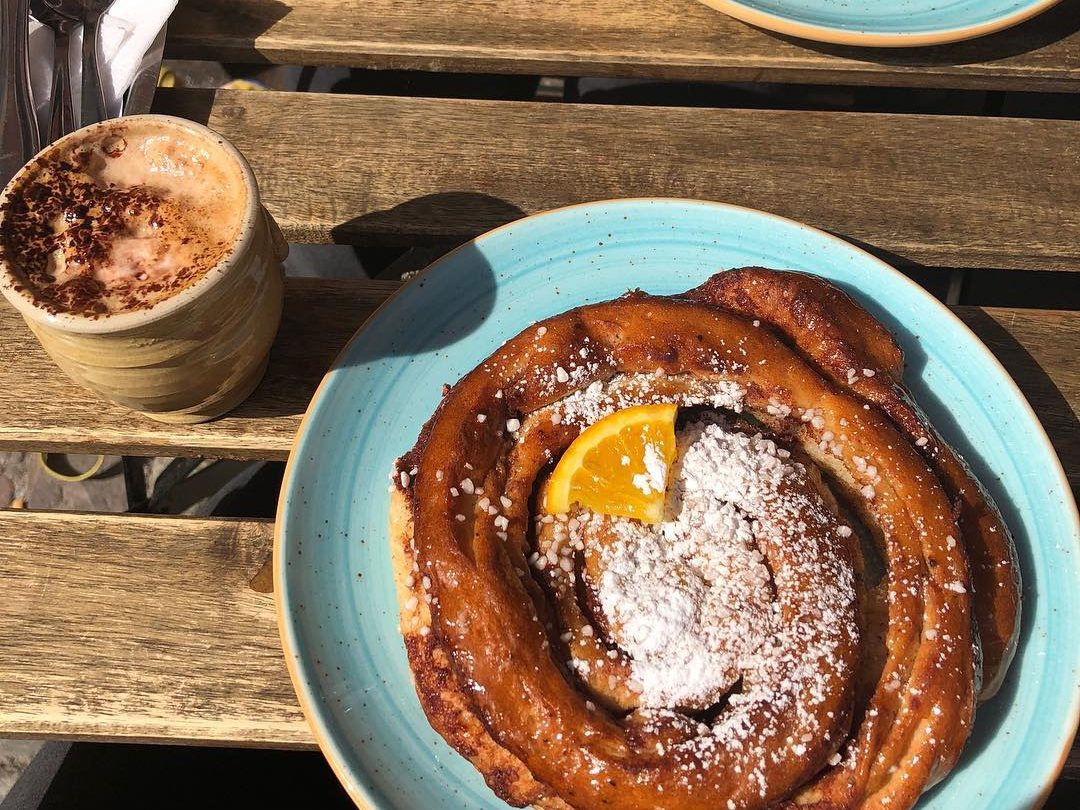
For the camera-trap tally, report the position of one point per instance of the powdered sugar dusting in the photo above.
(592, 403)
(694, 605)
(654, 479)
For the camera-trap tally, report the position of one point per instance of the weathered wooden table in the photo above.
(149, 628)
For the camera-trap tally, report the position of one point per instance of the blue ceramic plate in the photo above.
(334, 587)
(883, 23)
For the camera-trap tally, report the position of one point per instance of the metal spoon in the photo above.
(89, 14)
(19, 136)
(59, 15)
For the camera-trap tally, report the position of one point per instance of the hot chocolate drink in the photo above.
(122, 219)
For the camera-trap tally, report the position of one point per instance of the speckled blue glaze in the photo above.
(941, 20)
(333, 578)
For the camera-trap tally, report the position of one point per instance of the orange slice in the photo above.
(618, 466)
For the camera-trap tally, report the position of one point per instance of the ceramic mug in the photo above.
(194, 355)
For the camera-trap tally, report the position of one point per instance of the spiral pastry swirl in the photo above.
(801, 630)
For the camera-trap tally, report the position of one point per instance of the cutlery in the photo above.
(19, 137)
(93, 105)
(59, 15)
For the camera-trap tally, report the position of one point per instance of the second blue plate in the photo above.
(883, 23)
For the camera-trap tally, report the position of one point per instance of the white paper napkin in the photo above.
(127, 29)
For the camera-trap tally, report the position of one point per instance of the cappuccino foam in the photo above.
(122, 219)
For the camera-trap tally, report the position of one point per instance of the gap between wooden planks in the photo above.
(40, 409)
(668, 39)
(952, 191)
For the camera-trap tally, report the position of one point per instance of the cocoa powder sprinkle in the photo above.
(63, 224)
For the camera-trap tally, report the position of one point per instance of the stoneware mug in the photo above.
(192, 356)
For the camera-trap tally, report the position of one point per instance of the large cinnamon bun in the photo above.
(807, 625)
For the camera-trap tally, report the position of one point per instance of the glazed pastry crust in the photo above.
(446, 703)
(476, 624)
(838, 336)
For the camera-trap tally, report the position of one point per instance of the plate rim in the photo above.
(874, 39)
(308, 700)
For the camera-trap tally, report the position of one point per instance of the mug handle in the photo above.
(277, 238)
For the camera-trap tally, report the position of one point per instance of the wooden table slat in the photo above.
(673, 39)
(951, 191)
(41, 410)
(141, 629)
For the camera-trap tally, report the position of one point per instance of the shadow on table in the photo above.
(307, 346)
(1057, 23)
(440, 305)
(243, 23)
(450, 216)
(462, 295)
(1037, 386)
